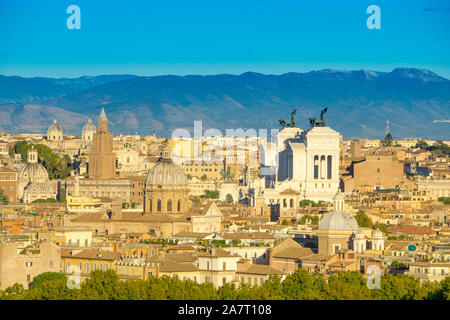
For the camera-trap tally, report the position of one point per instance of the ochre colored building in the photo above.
(8, 182)
(375, 171)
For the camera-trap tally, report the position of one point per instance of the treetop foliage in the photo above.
(106, 285)
(58, 167)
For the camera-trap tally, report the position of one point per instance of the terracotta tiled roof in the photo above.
(293, 253)
(410, 229)
(180, 257)
(170, 266)
(317, 257)
(97, 254)
(266, 226)
(174, 257)
(430, 264)
(217, 253)
(261, 269)
(66, 253)
(181, 247)
(396, 244)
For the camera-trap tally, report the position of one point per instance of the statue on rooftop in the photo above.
(319, 123)
(288, 124)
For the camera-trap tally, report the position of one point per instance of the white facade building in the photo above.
(308, 164)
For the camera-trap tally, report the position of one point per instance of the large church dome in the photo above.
(166, 172)
(338, 219)
(33, 172)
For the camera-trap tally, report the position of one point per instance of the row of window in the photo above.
(169, 205)
(426, 271)
(10, 188)
(252, 280)
(12, 177)
(86, 269)
(86, 242)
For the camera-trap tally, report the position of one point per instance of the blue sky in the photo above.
(156, 37)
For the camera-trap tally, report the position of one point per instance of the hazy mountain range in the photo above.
(359, 102)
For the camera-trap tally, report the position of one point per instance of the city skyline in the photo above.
(224, 150)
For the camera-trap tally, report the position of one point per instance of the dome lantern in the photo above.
(339, 201)
(32, 155)
(89, 127)
(165, 171)
(166, 151)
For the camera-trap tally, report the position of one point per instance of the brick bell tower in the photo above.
(102, 160)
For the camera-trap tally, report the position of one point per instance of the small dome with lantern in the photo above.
(89, 127)
(54, 132)
(338, 219)
(54, 127)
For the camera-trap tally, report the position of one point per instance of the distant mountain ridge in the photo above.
(359, 102)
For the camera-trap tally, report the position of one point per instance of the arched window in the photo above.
(179, 206)
(284, 203)
(291, 203)
(150, 205)
(158, 206)
(169, 205)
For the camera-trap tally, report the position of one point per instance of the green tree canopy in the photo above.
(301, 285)
(212, 195)
(314, 219)
(3, 197)
(445, 200)
(363, 220)
(39, 280)
(58, 167)
(422, 145)
(387, 142)
(438, 149)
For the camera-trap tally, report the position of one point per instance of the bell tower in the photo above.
(102, 160)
